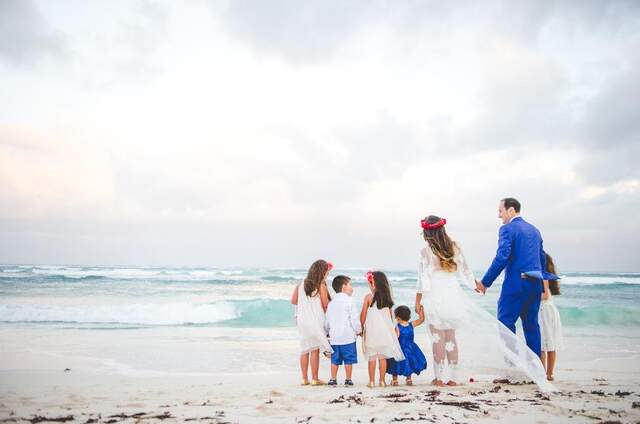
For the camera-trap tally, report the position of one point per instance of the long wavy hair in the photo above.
(441, 245)
(382, 294)
(315, 277)
(554, 285)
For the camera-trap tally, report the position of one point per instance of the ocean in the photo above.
(244, 305)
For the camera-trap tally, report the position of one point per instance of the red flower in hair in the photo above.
(369, 276)
(330, 266)
(424, 224)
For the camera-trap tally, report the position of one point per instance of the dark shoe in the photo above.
(332, 382)
(348, 382)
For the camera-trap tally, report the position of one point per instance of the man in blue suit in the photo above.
(520, 252)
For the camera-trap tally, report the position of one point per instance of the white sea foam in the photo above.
(134, 313)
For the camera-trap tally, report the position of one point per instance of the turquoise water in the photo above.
(137, 298)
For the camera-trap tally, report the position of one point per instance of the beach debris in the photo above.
(622, 394)
(635, 405)
(598, 392)
(396, 397)
(599, 379)
(357, 399)
(41, 419)
(431, 395)
(468, 405)
(67, 369)
(125, 416)
(496, 389)
(541, 396)
(304, 420)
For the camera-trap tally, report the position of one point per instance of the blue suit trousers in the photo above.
(524, 305)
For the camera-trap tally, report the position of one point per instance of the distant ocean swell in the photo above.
(256, 313)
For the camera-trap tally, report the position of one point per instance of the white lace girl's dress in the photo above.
(550, 326)
(466, 338)
(310, 323)
(380, 339)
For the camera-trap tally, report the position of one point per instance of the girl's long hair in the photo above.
(554, 285)
(315, 276)
(382, 294)
(441, 245)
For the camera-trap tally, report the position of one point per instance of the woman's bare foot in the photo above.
(451, 383)
(409, 382)
(437, 382)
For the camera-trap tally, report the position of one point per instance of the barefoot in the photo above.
(437, 382)
(550, 377)
(451, 383)
(409, 382)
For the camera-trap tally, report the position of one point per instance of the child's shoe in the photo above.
(332, 382)
(348, 382)
(317, 383)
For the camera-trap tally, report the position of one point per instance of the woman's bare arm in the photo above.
(365, 308)
(324, 296)
(294, 296)
(546, 294)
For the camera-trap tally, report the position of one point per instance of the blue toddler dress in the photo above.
(414, 362)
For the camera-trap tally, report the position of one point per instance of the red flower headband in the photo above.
(330, 266)
(433, 226)
(369, 276)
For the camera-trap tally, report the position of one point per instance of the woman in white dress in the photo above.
(467, 341)
(550, 324)
(311, 298)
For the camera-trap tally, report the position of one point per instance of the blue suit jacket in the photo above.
(519, 251)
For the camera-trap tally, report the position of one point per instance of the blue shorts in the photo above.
(344, 353)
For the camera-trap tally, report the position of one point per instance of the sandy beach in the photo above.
(49, 375)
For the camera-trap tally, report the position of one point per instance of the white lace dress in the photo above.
(550, 326)
(380, 338)
(466, 340)
(310, 323)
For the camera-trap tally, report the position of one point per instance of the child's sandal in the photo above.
(318, 383)
(371, 385)
(382, 384)
(304, 383)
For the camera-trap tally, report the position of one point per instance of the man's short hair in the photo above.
(338, 282)
(510, 202)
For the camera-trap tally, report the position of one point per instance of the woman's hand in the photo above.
(418, 302)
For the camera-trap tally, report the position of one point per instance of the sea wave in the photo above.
(233, 313)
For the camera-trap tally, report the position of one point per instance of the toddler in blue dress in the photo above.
(415, 361)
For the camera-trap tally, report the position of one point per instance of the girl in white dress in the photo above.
(311, 298)
(380, 338)
(550, 324)
(468, 343)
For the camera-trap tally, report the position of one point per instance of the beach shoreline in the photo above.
(82, 396)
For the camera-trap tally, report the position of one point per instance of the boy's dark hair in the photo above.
(510, 202)
(403, 312)
(338, 282)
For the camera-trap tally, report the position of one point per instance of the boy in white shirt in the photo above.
(343, 325)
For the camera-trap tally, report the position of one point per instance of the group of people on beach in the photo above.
(331, 325)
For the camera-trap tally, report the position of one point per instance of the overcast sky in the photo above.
(271, 133)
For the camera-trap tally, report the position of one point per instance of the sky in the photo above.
(270, 134)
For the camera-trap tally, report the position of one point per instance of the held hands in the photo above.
(480, 288)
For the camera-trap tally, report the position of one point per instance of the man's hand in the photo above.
(480, 288)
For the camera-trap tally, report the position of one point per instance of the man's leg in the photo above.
(509, 308)
(529, 317)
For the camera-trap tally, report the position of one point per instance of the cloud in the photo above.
(25, 37)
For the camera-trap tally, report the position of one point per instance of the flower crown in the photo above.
(424, 224)
(369, 276)
(329, 266)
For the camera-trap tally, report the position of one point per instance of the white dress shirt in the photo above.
(341, 321)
